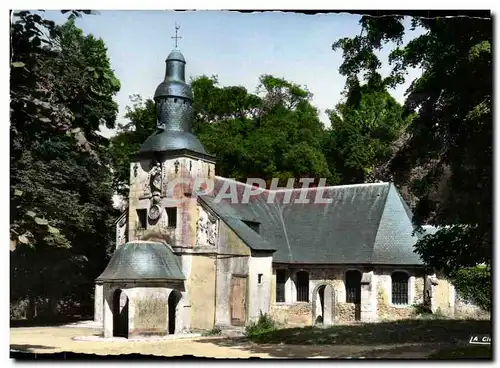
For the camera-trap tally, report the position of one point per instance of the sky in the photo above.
(237, 47)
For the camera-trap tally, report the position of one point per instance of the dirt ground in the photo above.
(42, 340)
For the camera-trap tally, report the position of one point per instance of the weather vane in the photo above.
(176, 37)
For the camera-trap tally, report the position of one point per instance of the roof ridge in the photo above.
(308, 188)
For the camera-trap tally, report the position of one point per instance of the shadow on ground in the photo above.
(25, 348)
(403, 332)
(393, 351)
(407, 339)
(48, 322)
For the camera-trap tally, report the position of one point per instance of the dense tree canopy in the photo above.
(363, 131)
(62, 90)
(446, 161)
(276, 133)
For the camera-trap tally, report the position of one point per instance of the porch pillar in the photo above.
(98, 302)
(368, 298)
(430, 292)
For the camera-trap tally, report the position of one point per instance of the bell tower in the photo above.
(168, 165)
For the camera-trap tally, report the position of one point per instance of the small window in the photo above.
(280, 286)
(251, 224)
(142, 216)
(259, 278)
(171, 216)
(399, 288)
(353, 286)
(302, 286)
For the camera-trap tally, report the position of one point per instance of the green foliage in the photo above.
(276, 135)
(474, 285)
(421, 309)
(446, 162)
(61, 210)
(142, 123)
(263, 325)
(363, 131)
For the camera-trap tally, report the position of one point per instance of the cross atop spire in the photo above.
(176, 37)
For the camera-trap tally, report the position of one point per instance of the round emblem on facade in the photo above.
(154, 212)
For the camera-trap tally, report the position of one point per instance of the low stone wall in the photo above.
(388, 312)
(300, 314)
(346, 312)
(297, 314)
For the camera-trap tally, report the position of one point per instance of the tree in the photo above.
(363, 131)
(141, 124)
(446, 161)
(62, 90)
(277, 134)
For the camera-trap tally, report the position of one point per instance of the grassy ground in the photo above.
(464, 352)
(445, 331)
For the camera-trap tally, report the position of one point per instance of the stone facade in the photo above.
(225, 280)
(376, 295)
(147, 307)
(210, 254)
(173, 174)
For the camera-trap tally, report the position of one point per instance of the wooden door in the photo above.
(237, 303)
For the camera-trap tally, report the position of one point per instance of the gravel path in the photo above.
(58, 339)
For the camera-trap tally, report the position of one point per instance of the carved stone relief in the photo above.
(121, 231)
(206, 228)
(155, 180)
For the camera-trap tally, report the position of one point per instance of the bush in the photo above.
(216, 331)
(474, 285)
(264, 324)
(19, 309)
(421, 309)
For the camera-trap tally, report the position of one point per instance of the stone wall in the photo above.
(346, 312)
(296, 314)
(98, 302)
(121, 230)
(150, 316)
(179, 173)
(377, 293)
(259, 283)
(444, 297)
(147, 307)
(300, 313)
(201, 291)
(386, 310)
(232, 259)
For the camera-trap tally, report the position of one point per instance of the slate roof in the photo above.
(142, 260)
(170, 140)
(364, 224)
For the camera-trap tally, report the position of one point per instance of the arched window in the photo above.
(302, 286)
(399, 288)
(353, 286)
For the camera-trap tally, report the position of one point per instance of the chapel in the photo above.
(186, 261)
